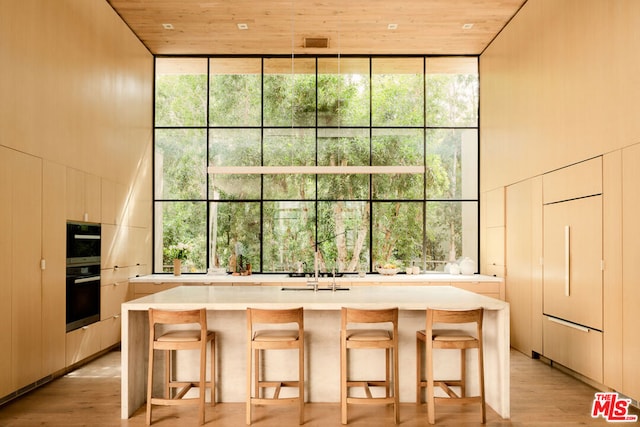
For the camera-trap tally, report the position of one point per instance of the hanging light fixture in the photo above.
(313, 170)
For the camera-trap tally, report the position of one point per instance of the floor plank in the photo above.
(90, 396)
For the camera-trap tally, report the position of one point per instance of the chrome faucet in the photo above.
(315, 280)
(333, 283)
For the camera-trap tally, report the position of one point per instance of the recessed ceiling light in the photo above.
(467, 26)
(392, 27)
(167, 26)
(243, 26)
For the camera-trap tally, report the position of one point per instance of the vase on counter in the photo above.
(467, 266)
(177, 267)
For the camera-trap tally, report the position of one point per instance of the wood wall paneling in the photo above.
(519, 269)
(537, 271)
(555, 97)
(578, 180)
(25, 273)
(630, 271)
(6, 260)
(612, 253)
(92, 103)
(53, 276)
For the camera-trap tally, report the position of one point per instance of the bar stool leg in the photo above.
(396, 384)
(203, 382)
(213, 373)
(301, 384)
(431, 404)
(249, 375)
(149, 385)
(463, 373)
(343, 379)
(167, 374)
(418, 371)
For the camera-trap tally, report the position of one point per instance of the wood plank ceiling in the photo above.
(210, 27)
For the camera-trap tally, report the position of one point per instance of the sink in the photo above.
(320, 274)
(309, 288)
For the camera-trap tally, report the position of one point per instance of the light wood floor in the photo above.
(540, 396)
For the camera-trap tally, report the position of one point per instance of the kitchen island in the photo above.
(486, 285)
(226, 307)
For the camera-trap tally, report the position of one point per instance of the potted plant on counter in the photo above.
(178, 253)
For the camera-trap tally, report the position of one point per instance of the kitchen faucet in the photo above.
(333, 283)
(315, 280)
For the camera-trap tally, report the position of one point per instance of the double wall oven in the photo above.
(83, 274)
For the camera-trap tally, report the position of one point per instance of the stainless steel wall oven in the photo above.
(83, 274)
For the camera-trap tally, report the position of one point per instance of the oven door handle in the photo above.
(86, 236)
(86, 279)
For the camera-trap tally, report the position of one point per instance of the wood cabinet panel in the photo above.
(495, 207)
(579, 180)
(537, 248)
(6, 239)
(492, 223)
(82, 343)
(110, 331)
(490, 289)
(612, 253)
(144, 289)
(111, 297)
(519, 280)
(574, 292)
(113, 196)
(139, 270)
(579, 350)
(113, 275)
(84, 196)
(495, 246)
(26, 276)
(139, 244)
(53, 276)
(495, 270)
(114, 246)
(631, 272)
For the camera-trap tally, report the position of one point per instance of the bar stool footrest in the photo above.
(458, 400)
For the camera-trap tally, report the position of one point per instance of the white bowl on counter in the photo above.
(388, 271)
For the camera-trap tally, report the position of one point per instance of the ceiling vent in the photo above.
(316, 42)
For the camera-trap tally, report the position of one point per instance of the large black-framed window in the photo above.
(258, 160)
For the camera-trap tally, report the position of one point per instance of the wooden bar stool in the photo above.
(170, 340)
(369, 339)
(273, 339)
(449, 339)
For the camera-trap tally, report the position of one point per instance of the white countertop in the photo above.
(286, 280)
(239, 298)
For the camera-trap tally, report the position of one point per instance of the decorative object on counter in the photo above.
(467, 266)
(415, 268)
(238, 263)
(232, 263)
(388, 269)
(454, 268)
(177, 266)
(217, 271)
(178, 253)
